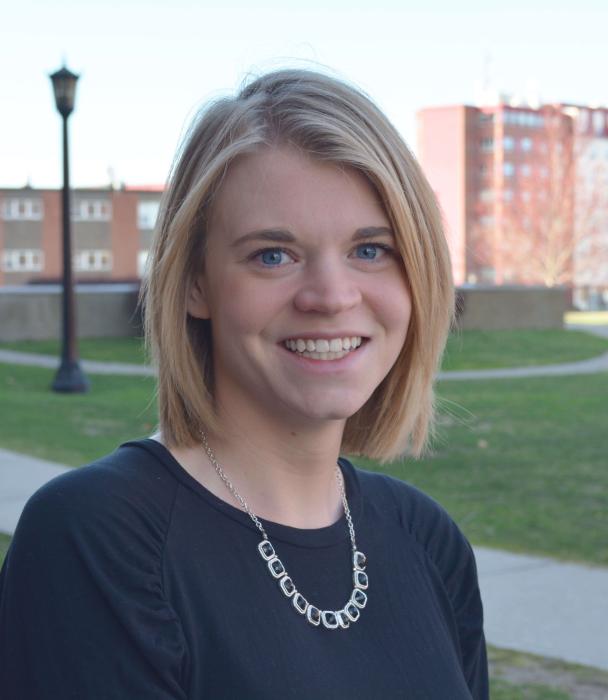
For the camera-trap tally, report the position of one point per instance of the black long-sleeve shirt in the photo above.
(128, 580)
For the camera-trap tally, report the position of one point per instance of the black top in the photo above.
(128, 580)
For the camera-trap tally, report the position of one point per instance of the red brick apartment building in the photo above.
(111, 233)
(524, 193)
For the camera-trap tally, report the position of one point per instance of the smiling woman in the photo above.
(297, 304)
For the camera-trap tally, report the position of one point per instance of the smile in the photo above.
(323, 349)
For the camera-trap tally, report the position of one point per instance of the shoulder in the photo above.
(120, 493)
(421, 517)
(87, 559)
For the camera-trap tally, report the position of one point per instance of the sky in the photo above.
(146, 68)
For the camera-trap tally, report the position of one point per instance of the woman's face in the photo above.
(301, 267)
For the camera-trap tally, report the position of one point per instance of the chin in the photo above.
(329, 412)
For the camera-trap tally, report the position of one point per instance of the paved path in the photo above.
(20, 476)
(595, 364)
(13, 357)
(545, 607)
(532, 604)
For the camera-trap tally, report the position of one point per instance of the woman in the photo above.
(297, 304)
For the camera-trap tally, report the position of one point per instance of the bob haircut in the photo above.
(333, 122)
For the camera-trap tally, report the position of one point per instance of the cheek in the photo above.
(393, 307)
(243, 308)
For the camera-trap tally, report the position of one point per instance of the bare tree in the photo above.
(549, 225)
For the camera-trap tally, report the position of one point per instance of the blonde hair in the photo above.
(330, 121)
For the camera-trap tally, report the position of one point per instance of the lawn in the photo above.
(519, 348)
(518, 676)
(129, 350)
(72, 429)
(519, 463)
(465, 350)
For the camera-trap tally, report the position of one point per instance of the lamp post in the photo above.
(69, 377)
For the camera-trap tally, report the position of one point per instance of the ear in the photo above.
(197, 305)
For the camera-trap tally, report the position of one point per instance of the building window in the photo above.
(20, 209)
(486, 220)
(507, 195)
(93, 261)
(22, 260)
(598, 123)
(525, 196)
(526, 144)
(147, 213)
(525, 170)
(521, 118)
(91, 210)
(487, 144)
(486, 195)
(543, 172)
(508, 143)
(508, 169)
(142, 258)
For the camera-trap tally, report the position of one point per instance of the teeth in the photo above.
(323, 349)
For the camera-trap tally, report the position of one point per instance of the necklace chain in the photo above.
(332, 619)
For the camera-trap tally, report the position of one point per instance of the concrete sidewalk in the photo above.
(532, 604)
(14, 357)
(591, 366)
(20, 476)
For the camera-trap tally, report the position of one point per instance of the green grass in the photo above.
(129, 350)
(465, 350)
(519, 348)
(503, 690)
(72, 429)
(521, 464)
(5, 540)
(519, 676)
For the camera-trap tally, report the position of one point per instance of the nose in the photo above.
(328, 287)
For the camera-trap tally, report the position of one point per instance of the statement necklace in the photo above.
(331, 619)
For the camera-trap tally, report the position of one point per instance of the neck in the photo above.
(285, 471)
(286, 476)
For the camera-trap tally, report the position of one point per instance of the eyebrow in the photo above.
(278, 235)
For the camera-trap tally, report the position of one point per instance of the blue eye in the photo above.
(272, 257)
(370, 251)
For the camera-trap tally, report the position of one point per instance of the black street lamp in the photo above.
(69, 377)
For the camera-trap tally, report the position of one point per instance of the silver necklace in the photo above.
(331, 619)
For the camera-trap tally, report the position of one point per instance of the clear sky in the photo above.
(147, 66)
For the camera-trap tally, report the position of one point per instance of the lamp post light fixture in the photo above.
(69, 377)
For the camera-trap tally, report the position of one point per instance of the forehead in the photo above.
(283, 187)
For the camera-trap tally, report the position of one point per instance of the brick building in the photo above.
(523, 193)
(111, 233)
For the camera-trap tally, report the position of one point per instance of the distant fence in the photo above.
(102, 310)
(107, 310)
(510, 306)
